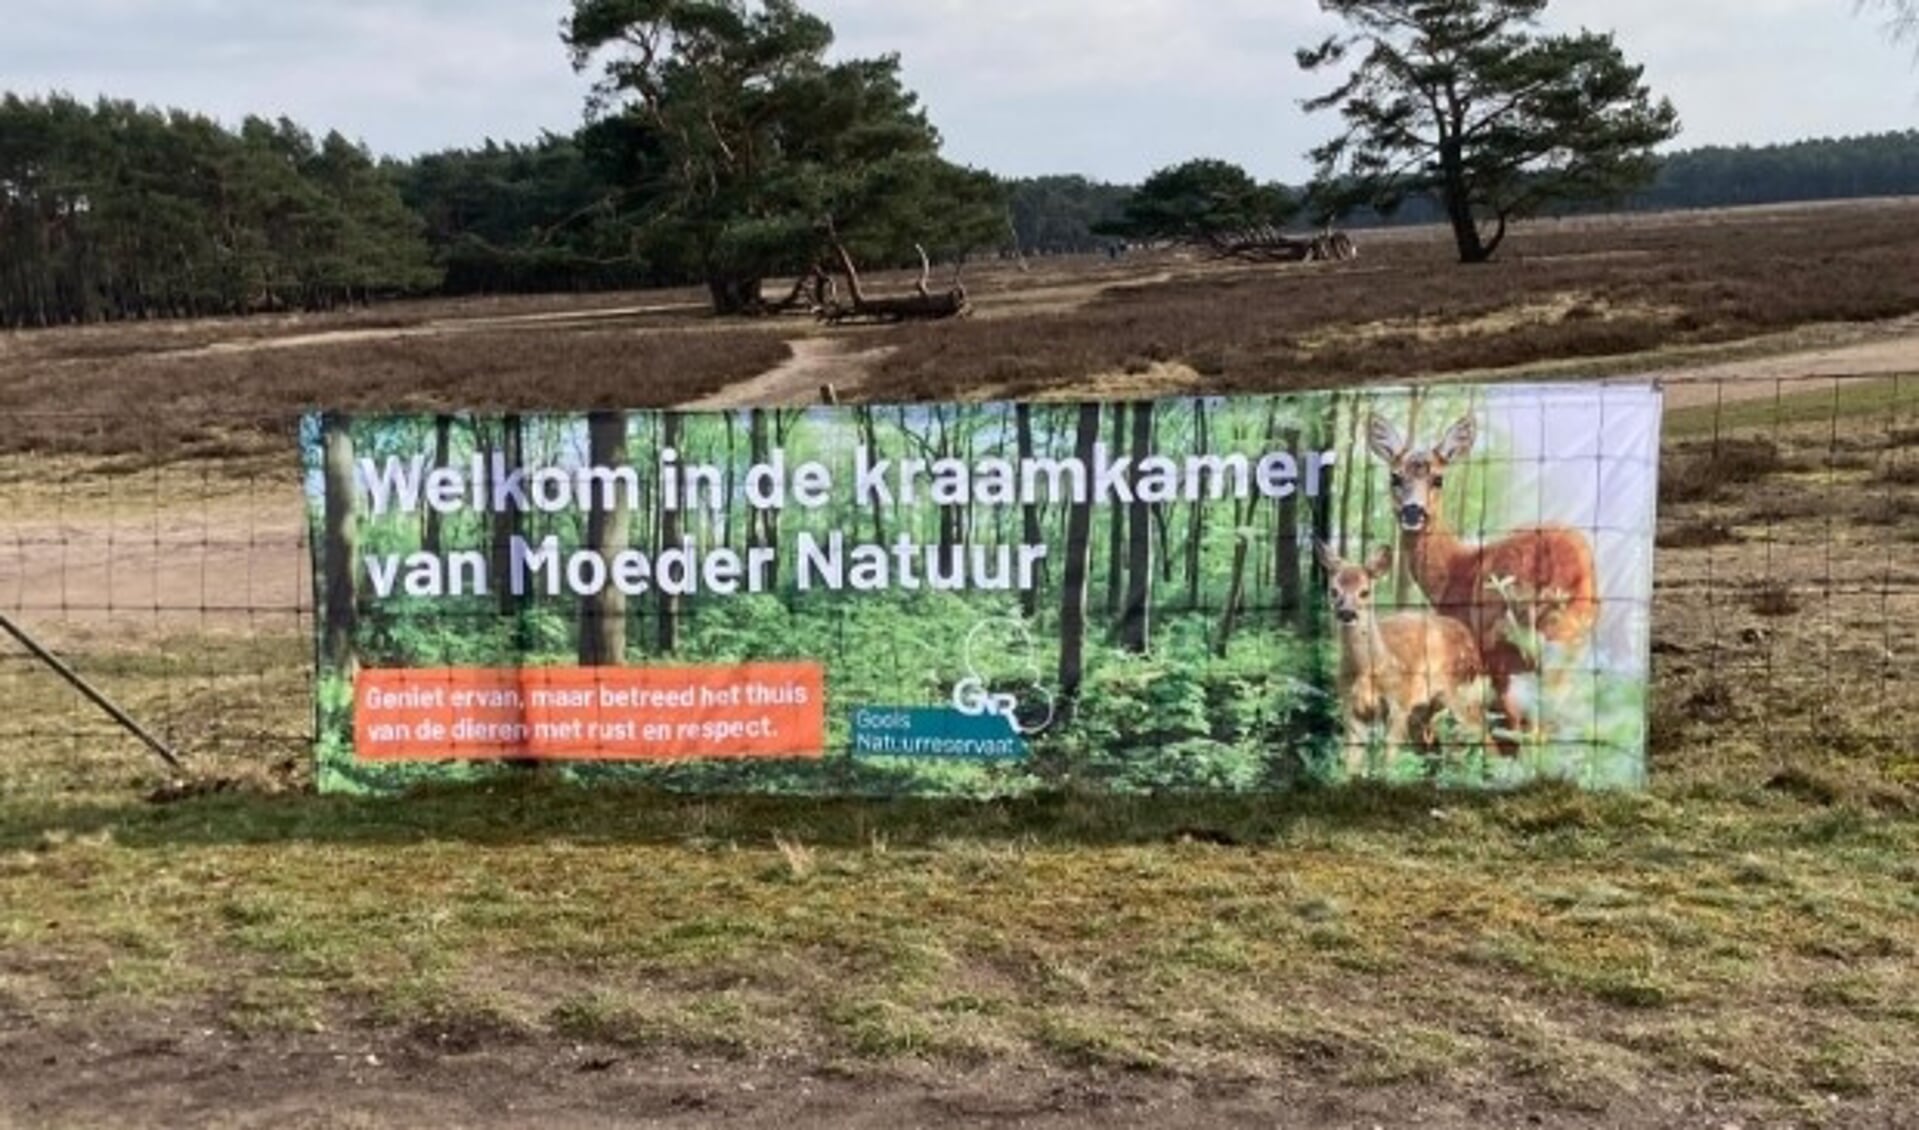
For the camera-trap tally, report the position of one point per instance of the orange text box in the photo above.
(757, 710)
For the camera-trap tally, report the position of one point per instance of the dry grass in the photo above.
(1363, 940)
(1701, 534)
(213, 405)
(1776, 599)
(1745, 931)
(1580, 289)
(1564, 291)
(1703, 472)
(1788, 605)
(143, 339)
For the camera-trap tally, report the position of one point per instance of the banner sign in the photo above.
(1211, 594)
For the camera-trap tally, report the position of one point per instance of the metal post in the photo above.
(92, 693)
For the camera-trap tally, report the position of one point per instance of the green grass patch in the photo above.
(1801, 404)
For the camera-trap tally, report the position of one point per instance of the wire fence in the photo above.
(1787, 610)
(166, 559)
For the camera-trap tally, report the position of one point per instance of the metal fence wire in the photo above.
(165, 557)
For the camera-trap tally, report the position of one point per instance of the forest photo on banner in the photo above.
(1198, 595)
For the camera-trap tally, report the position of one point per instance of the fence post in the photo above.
(93, 694)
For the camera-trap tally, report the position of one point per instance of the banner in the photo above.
(1447, 584)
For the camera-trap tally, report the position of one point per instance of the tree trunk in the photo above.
(508, 522)
(732, 463)
(1261, 575)
(1079, 552)
(759, 446)
(1459, 205)
(1472, 248)
(603, 615)
(1135, 632)
(1286, 561)
(1196, 528)
(1311, 612)
(670, 527)
(1355, 457)
(1029, 513)
(433, 539)
(733, 295)
(1116, 528)
(1236, 588)
(1167, 564)
(873, 446)
(950, 533)
(342, 548)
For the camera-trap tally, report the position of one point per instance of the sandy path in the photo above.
(1732, 372)
(232, 566)
(439, 327)
(1756, 378)
(816, 363)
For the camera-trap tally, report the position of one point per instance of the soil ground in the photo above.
(181, 1075)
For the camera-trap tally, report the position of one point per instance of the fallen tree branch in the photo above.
(922, 305)
(1270, 245)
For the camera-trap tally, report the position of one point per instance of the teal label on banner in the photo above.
(941, 734)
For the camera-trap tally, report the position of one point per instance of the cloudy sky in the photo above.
(1109, 88)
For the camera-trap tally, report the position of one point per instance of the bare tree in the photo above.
(1901, 18)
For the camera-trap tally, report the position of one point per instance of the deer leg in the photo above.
(1358, 738)
(1397, 729)
(1469, 706)
(1429, 725)
(1425, 726)
(1512, 717)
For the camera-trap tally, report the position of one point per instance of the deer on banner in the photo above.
(1532, 588)
(1401, 671)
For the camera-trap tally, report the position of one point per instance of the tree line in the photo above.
(1885, 164)
(113, 211)
(513, 218)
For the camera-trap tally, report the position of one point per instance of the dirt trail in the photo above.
(1736, 371)
(438, 327)
(1755, 378)
(816, 362)
(193, 1074)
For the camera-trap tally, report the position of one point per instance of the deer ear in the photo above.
(1459, 440)
(1382, 562)
(1328, 560)
(1384, 439)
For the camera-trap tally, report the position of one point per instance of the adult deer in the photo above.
(1532, 588)
(1401, 671)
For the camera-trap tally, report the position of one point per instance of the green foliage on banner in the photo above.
(1205, 658)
